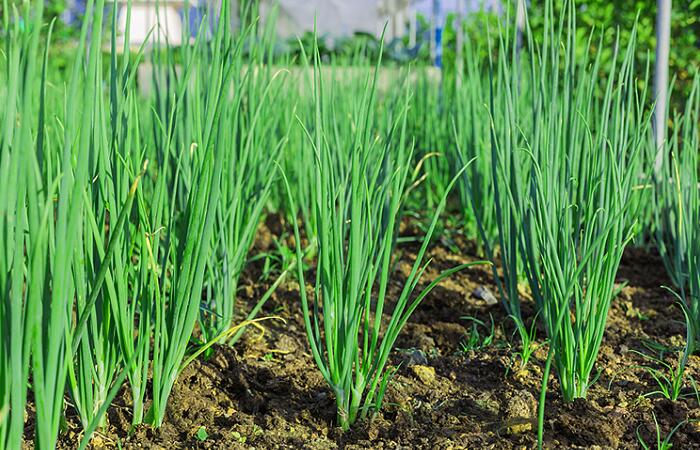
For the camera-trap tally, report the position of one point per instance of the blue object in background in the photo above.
(437, 11)
(195, 16)
(438, 46)
(439, 24)
(74, 11)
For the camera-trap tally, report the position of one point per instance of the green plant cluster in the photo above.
(597, 17)
(128, 215)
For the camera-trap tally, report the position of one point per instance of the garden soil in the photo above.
(266, 393)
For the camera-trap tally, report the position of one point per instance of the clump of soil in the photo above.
(267, 392)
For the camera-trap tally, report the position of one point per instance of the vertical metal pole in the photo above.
(663, 45)
(460, 42)
(235, 15)
(413, 25)
(433, 27)
(400, 18)
(390, 11)
(437, 20)
(520, 23)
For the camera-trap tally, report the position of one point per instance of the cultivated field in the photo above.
(215, 246)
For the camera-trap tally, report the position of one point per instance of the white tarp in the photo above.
(333, 17)
(345, 17)
(425, 7)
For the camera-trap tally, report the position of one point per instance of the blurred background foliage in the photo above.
(481, 32)
(601, 16)
(593, 16)
(612, 15)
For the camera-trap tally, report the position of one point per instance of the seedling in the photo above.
(664, 444)
(475, 341)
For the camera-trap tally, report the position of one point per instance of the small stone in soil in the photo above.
(416, 356)
(483, 293)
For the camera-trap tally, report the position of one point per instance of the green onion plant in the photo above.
(179, 219)
(677, 212)
(358, 199)
(491, 189)
(430, 124)
(253, 135)
(566, 174)
(55, 275)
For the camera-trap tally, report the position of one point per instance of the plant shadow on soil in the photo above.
(267, 392)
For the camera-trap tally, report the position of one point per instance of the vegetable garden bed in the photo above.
(496, 256)
(266, 393)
